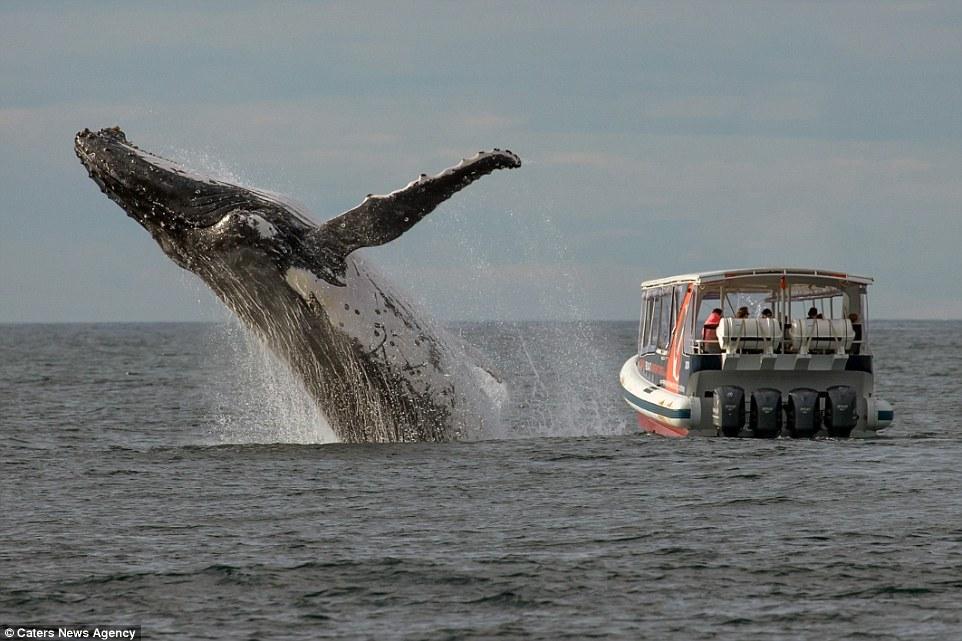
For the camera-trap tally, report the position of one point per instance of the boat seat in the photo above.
(821, 336)
(759, 335)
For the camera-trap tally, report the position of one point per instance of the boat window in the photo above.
(707, 301)
(754, 301)
(664, 325)
(655, 321)
(652, 314)
(833, 304)
(680, 291)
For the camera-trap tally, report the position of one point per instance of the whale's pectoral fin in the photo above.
(381, 219)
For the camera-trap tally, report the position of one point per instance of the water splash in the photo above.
(563, 384)
(561, 379)
(254, 397)
(260, 400)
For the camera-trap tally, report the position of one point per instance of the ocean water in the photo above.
(172, 476)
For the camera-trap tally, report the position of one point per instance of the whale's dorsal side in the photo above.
(381, 219)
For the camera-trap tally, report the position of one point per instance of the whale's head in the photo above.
(192, 217)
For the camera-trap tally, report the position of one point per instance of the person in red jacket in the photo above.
(708, 332)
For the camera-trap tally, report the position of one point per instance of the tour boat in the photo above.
(755, 352)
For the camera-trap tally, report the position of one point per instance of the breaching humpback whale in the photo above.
(377, 369)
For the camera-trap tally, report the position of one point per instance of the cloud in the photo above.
(486, 121)
(657, 138)
(919, 32)
(594, 159)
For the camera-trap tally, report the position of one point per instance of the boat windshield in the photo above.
(772, 315)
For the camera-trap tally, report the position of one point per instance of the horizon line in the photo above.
(443, 320)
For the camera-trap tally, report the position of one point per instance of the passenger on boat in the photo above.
(766, 313)
(812, 312)
(742, 312)
(709, 334)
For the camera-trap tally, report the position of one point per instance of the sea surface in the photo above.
(173, 476)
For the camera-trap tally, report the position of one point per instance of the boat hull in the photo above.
(658, 410)
(679, 414)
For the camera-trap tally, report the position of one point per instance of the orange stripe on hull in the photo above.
(649, 424)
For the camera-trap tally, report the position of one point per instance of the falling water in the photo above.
(574, 388)
(258, 399)
(263, 402)
(559, 383)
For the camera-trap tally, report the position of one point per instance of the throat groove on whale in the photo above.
(378, 369)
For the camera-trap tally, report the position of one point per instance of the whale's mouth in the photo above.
(158, 193)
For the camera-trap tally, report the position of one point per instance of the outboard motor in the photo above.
(765, 416)
(728, 409)
(841, 410)
(802, 413)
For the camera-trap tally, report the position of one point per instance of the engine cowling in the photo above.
(841, 410)
(802, 413)
(728, 409)
(765, 414)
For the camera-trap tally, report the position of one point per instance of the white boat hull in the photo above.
(679, 414)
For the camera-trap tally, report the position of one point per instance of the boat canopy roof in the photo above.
(760, 276)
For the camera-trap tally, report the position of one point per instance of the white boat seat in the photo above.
(821, 336)
(748, 335)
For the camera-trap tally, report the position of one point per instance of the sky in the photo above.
(657, 138)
